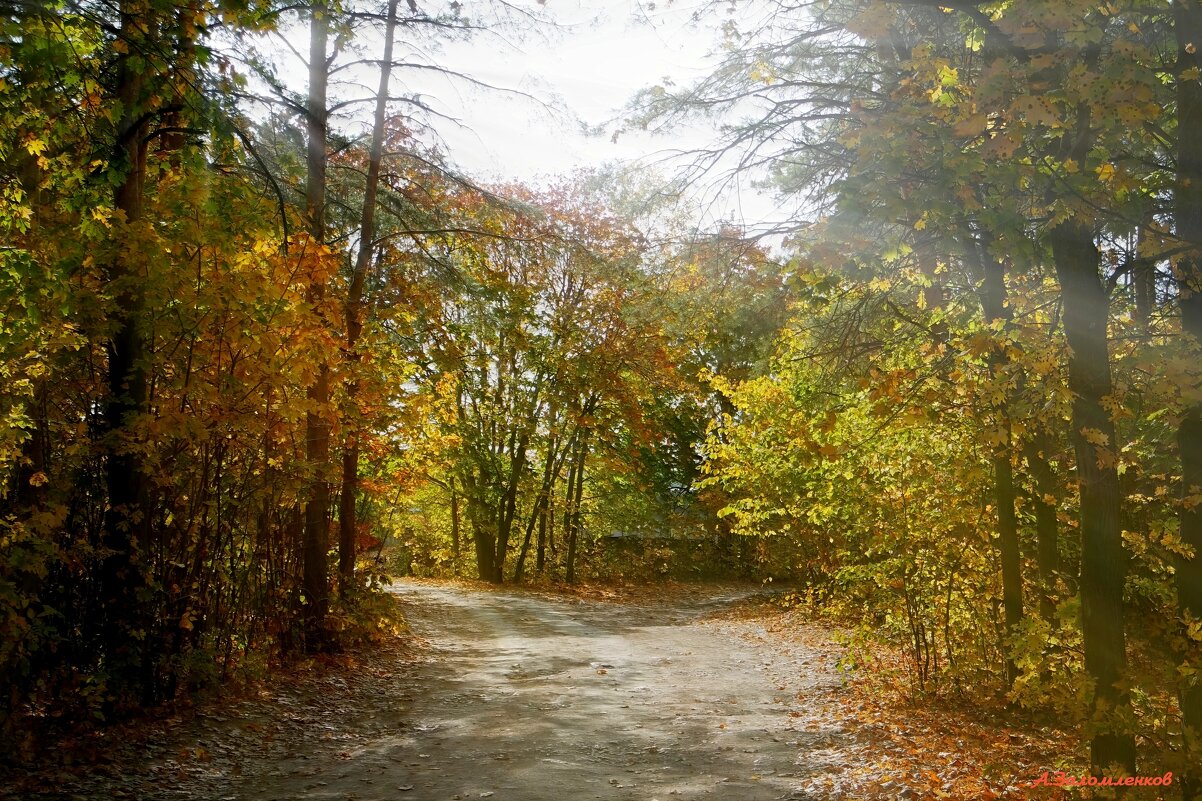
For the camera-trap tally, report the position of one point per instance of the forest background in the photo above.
(252, 334)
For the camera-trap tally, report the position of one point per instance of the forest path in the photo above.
(561, 700)
(522, 697)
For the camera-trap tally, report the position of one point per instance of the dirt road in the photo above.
(519, 698)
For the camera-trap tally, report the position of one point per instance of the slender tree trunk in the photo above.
(1188, 214)
(551, 468)
(1008, 548)
(568, 494)
(1143, 278)
(354, 316)
(455, 538)
(992, 273)
(317, 430)
(1103, 561)
(546, 517)
(520, 566)
(539, 504)
(509, 505)
(573, 519)
(540, 553)
(1046, 526)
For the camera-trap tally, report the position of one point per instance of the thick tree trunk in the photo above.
(175, 122)
(317, 430)
(354, 316)
(127, 522)
(484, 527)
(1103, 561)
(486, 561)
(1188, 214)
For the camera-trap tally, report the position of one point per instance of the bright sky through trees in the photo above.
(602, 53)
(551, 95)
(605, 51)
(578, 75)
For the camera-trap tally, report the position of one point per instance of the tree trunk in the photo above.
(1103, 561)
(1012, 578)
(455, 542)
(992, 279)
(539, 505)
(573, 519)
(1046, 526)
(520, 567)
(479, 514)
(317, 430)
(569, 493)
(485, 556)
(508, 510)
(175, 123)
(551, 469)
(1143, 278)
(540, 552)
(1188, 214)
(354, 316)
(127, 522)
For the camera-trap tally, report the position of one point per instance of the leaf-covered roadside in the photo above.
(194, 749)
(904, 745)
(199, 740)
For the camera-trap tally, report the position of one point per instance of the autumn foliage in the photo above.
(956, 399)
